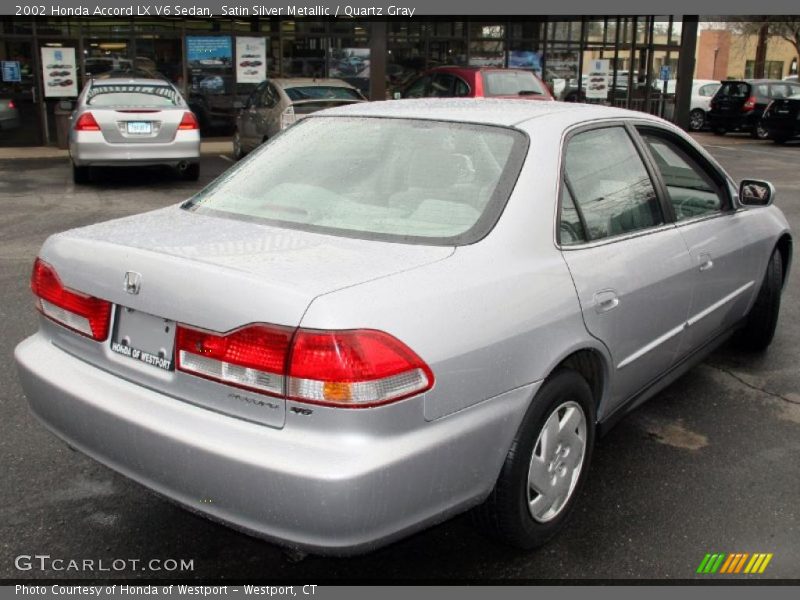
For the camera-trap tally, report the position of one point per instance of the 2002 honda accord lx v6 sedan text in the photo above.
(393, 312)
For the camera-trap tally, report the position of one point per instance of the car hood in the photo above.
(221, 273)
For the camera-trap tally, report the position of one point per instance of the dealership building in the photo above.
(217, 61)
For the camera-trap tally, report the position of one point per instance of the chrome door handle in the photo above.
(706, 262)
(605, 300)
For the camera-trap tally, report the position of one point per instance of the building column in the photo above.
(377, 60)
(686, 62)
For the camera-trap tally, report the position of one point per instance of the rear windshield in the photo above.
(413, 181)
(734, 89)
(149, 96)
(511, 83)
(319, 92)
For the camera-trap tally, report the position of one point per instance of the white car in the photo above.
(702, 92)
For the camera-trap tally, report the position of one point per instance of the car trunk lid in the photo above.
(125, 125)
(209, 273)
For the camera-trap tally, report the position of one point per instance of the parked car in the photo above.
(739, 104)
(9, 115)
(781, 119)
(277, 103)
(133, 122)
(476, 82)
(303, 349)
(791, 78)
(702, 92)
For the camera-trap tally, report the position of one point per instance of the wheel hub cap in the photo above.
(557, 461)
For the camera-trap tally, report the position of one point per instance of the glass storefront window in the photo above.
(304, 57)
(303, 27)
(447, 52)
(487, 53)
(496, 31)
(561, 69)
(162, 56)
(564, 31)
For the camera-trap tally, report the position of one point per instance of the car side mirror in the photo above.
(397, 96)
(754, 192)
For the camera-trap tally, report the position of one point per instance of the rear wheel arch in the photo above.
(592, 366)
(784, 246)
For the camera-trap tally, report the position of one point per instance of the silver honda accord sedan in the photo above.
(133, 122)
(395, 312)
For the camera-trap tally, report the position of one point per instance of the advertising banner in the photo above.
(210, 59)
(11, 71)
(596, 84)
(526, 59)
(251, 59)
(59, 73)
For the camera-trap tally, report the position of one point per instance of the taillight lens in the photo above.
(252, 358)
(87, 315)
(189, 121)
(353, 368)
(86, 122)
(11, 104)
(749, 104)
(288, 117)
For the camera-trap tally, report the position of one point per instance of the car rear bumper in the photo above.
(744, 121)
(89, 148)
(331, 492)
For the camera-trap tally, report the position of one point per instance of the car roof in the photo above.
(290, 82)
(488, 111)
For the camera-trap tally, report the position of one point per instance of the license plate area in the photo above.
(140, 127)
(144, 337)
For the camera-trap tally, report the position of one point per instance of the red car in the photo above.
(476, 82)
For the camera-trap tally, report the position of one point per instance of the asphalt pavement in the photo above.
(712, 464)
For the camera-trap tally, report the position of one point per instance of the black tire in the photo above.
(697, 120)
(758, 132)
(80, 175)
(759, 326)
(505, 514)
(191, 173)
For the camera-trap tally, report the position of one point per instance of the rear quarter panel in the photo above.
(495, 316)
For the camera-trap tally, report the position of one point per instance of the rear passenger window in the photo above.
(692, 192)
(570, 230)
(611, 187)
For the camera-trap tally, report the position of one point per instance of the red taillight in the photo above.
(86, 122)
(11, 104)
(354, 368)
(252, 358)
(749, 104)
(87, 315)
(189, 121)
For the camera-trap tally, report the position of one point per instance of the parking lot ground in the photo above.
(712, 464)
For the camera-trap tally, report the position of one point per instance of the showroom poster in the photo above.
(11, 71)
(352, 66)
(596, 86)
(58, 72)
(210, 59)
(251, 59)
(526, 59)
